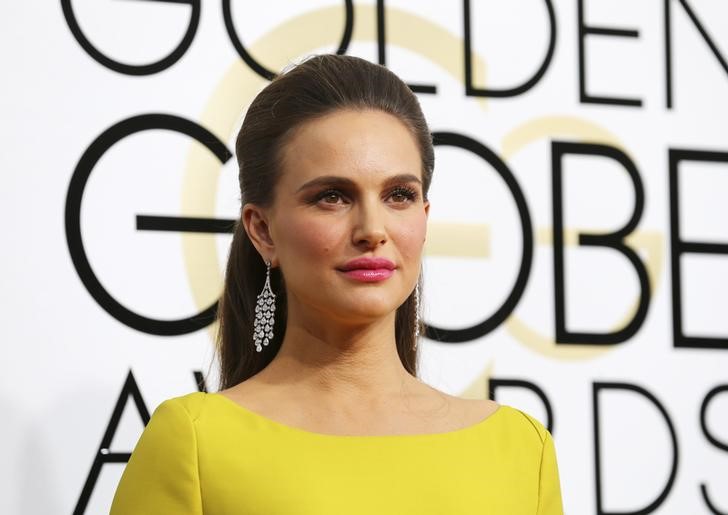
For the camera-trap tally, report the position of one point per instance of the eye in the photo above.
(329, 196)
(403, 194)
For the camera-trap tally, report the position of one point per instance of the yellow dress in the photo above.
(204, 453)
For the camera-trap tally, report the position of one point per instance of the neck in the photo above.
(340, 361)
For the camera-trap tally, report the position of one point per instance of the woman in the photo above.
(321, 411)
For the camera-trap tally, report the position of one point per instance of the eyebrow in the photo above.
(334, 180)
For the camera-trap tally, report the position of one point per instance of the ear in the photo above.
(427, 213)
(255, 221)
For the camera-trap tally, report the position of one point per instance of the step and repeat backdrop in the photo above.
(577, 255)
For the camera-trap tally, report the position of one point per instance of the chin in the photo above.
(366, 307)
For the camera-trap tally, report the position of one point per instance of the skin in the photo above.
(338, 371)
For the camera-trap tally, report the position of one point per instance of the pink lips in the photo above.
(368, 269)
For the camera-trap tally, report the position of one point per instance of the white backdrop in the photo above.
(572, 120)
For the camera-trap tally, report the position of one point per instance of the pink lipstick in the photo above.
(368, 269)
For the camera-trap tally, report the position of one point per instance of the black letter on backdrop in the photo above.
(712, 439)
(613, 240)
(494, 384)
(679, 247)
(200, 381)
(76, 188)
(596, 387)
(382, 48)
(585, 30)
(104, 455)
(490, 323)
(259, 68)
(133, 69)
(472, 91)
(668, 46)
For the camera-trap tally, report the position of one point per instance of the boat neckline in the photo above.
(463, 430)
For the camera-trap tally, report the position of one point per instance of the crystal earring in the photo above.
(265, 308)
(417, 314)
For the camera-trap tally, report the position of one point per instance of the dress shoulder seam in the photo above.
(193, 404)
(540, 430)
(197, 399)
(543, 434)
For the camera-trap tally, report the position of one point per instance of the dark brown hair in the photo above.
(313, 88)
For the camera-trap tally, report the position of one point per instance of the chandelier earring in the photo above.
(265, 308)
(417, 314)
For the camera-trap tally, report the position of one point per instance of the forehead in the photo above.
(364, 145)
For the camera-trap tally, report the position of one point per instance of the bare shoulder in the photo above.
(275, 401)
(470, 411)
(480, 409)
(251, 392)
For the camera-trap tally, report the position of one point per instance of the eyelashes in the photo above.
(408, 193)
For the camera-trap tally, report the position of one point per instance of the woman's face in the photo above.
(350, 188)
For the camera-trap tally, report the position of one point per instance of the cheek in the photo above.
(411, 238)
(309, 238)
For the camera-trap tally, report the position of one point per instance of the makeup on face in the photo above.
(368, 269)
(350, 215)
(369, 276)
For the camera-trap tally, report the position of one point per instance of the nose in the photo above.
(369, 228)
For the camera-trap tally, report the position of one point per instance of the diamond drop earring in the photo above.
(417, 314)
(265, 308)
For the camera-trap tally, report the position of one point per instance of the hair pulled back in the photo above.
(315, 87)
